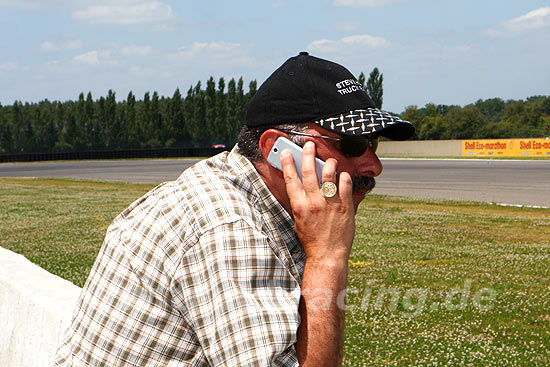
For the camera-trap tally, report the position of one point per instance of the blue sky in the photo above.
(443, 52)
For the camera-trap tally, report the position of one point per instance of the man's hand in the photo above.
(325, 227)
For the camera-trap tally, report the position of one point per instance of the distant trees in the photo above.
(202, 117)
(484, 119)
(215, 114)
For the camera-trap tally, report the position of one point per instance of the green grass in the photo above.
(470, 281)
(470, 284)
(59, 224)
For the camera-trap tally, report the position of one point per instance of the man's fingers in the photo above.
(329, 171)
(292, 181)
(345, 188)
(309, 175)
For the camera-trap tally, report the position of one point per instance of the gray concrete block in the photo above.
(35, 310)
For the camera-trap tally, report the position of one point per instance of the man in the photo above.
(237, 263)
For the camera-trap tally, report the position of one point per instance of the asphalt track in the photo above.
(514, 182)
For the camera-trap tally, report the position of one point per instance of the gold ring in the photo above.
(328, 189)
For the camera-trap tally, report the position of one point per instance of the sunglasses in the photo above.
(350, 146)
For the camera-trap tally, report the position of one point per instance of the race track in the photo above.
(516, 182)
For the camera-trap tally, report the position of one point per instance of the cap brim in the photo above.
(402, 130)
(369, 121)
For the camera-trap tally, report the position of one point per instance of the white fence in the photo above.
(35, 311)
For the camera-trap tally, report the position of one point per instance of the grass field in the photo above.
(432, 283)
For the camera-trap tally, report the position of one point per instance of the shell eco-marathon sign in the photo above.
(507, 147)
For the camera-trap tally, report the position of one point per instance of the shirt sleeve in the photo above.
(239, 298)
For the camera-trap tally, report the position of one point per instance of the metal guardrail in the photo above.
(111, 154)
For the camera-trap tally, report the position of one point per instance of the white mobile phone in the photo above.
(282, 143)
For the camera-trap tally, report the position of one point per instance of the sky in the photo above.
(429, 51)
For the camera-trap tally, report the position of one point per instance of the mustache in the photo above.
(363, 183)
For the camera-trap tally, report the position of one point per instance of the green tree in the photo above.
(199, 133)
(70, 130)
(7, 141)
(122, 125)
(492, 109)
(101, 122)
(233, 111)
(210, 109)
(17, 123)
(252, 89)
(50, 133)
(242, 101)
(94, 133)
(132, 123)
(362, 79)
(434, 126)
(415, 116)
(374, 87)
(221, 112)
(61, 145)
(500, 129)
(145, 120)
(156, 123)
(189, 113)
(465, 123)
(175, 123)
(111, 123)
(83, 123)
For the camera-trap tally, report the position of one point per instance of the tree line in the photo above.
(485, 119)
(214, 115)
(203, 116)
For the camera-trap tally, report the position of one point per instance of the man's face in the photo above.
(362, 169)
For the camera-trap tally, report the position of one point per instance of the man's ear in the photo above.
(267, 139)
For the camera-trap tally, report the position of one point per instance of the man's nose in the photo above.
(368, 164)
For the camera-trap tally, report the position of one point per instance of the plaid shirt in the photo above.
(201, 271)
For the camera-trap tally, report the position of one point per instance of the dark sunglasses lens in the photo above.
(373, 144)
(353, 146)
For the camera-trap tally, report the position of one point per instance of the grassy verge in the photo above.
(445, 283)
(431, 282)
(59, 224)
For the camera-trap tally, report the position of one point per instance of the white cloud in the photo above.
(90, 58)
(9, 66)
(115, 57)
(217, 49)
(365, 3)
(538, 18)
(126, 12)
(25, 4)
(12, 69)
(48, 46)
(20, 3)
(136, 50)
(279, 4)
(349, 26)
(348, 44)
(207, 57)
(42, 4)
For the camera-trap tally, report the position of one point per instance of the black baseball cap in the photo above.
(309, 89)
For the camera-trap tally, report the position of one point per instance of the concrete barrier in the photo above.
(420, 148)
(35, 311)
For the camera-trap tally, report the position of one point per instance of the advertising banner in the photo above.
(507, 147)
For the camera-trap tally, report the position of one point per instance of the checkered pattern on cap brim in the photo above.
(360, 122)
